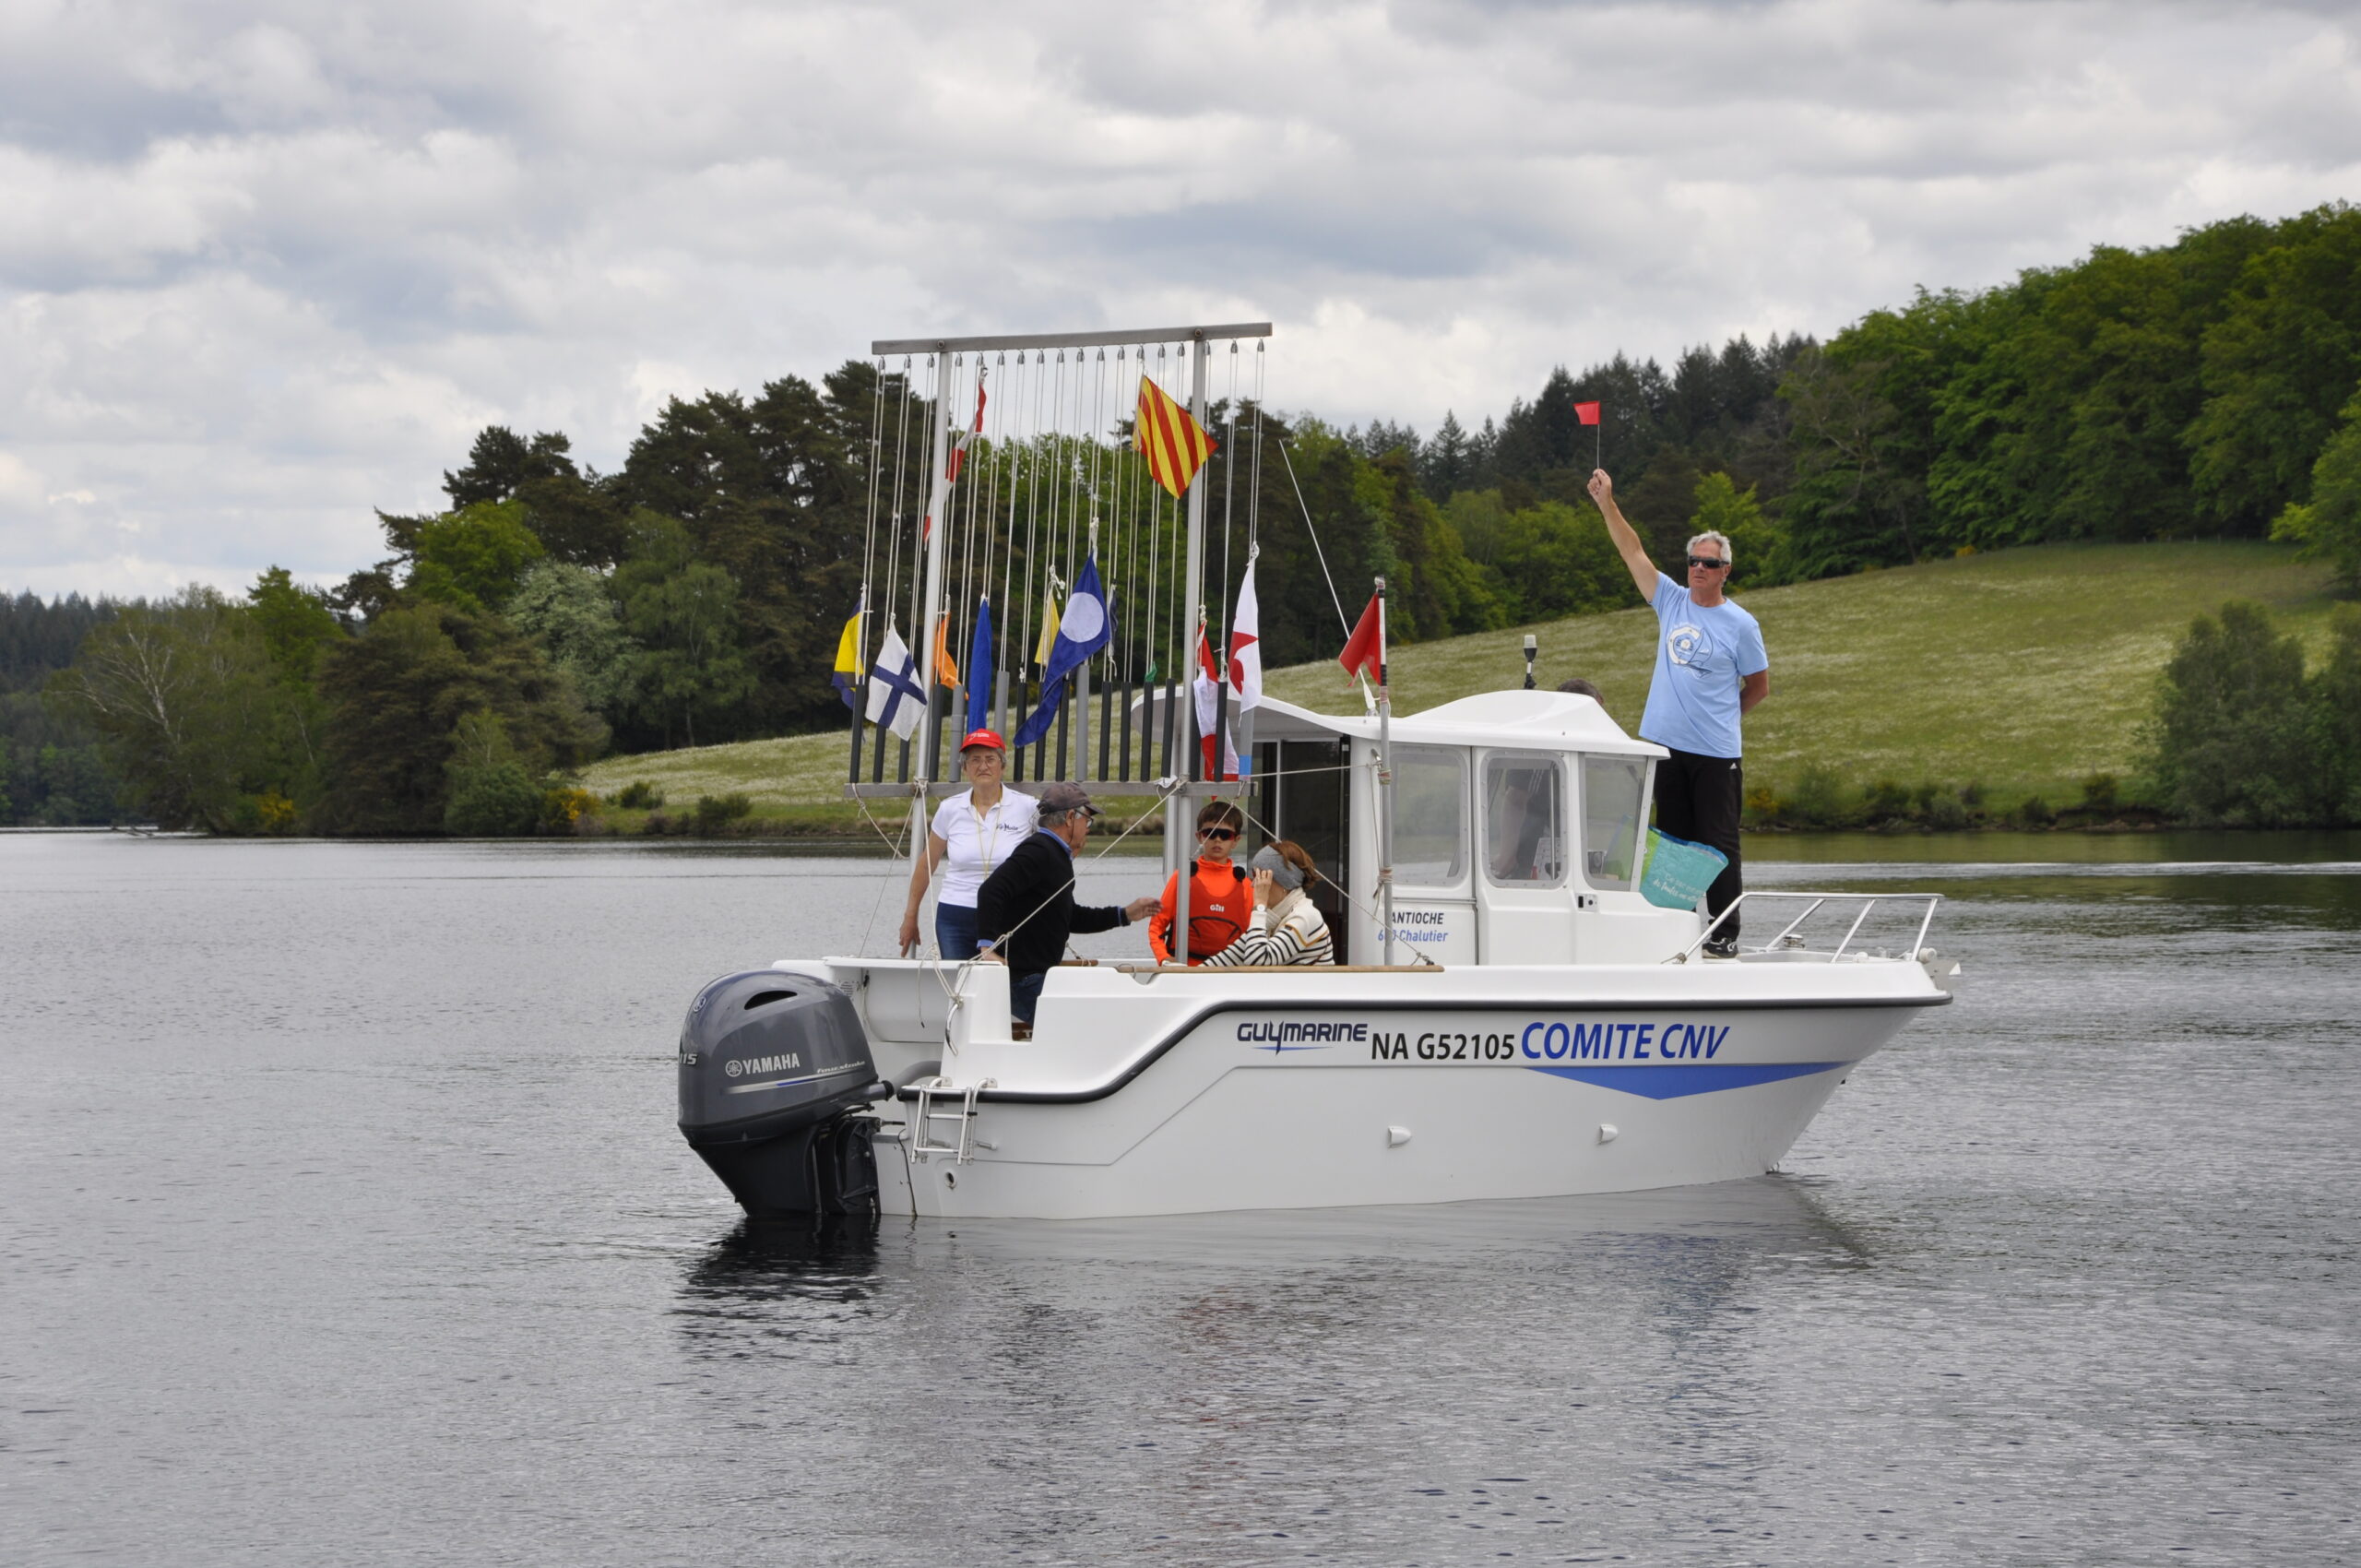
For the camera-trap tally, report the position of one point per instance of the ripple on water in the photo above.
(346, 1217)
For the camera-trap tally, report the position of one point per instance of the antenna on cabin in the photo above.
(1532, 646)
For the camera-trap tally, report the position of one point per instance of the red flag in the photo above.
(959, 450)
(1586, 413)
(1365, 652)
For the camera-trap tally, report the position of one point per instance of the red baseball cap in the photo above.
(983, 738)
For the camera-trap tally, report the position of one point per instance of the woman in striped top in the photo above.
(1286, 928)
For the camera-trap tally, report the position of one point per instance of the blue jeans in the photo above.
(954, 932)
(1024, 994)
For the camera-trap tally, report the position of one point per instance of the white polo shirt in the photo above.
(980, 840)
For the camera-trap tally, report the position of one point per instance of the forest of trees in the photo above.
(52, 774)
(2210, 387)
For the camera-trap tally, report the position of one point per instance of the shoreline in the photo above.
(2096, 842)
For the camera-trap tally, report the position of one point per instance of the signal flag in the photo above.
(1365, 651)
(1175, 446)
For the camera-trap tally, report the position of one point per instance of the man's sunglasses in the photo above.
(1708, 561)
(1224, 834)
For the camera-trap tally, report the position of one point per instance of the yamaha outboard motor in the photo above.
(772, 1066)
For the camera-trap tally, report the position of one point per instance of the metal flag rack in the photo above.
(1025, 479)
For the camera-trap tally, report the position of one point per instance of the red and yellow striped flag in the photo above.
(1175, 446)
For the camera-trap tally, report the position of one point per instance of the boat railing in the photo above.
(1790, 943)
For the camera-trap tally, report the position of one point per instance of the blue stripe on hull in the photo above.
(1689, 1078)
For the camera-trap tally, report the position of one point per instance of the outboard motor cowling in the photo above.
(772, 1066)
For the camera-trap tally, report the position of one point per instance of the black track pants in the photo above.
(1698, 798)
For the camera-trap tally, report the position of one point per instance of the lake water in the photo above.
(342, 1220)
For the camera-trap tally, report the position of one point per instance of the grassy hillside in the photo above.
(2024, 670)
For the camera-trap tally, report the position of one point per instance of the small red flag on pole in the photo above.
(1365, 651)
(1586, 413)
(1589, 414)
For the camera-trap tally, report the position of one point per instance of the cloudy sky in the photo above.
(264, 267)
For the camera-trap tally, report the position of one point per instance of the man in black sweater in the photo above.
(1025, 910)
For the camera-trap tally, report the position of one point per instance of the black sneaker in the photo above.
(1722, 947)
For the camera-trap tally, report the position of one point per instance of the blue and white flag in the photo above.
(896, 701)
(1081, 631)
(980, 670)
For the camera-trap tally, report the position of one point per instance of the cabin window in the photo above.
(1525, 821)
(1611, 789)
(1429, 815)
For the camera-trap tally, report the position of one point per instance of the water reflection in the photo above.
(798, 1280)
(2062, 1277)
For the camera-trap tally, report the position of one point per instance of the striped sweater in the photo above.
(1290, 933)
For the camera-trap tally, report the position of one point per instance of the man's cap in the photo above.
(1062, 796)
(983, 738)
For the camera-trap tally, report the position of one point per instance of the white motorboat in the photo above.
(1512, 1015)
(1543, 1029)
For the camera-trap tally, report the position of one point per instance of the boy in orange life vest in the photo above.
(1220, 897)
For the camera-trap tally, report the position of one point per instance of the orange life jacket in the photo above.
(1220, 900)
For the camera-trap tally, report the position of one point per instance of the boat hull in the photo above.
(1289, 1100)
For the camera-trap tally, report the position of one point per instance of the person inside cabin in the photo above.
(1711, 672)
(973, 831)
(1286, 928)
(1024, 911)
(1522, 848)
(1582, 688)
(1219, 897)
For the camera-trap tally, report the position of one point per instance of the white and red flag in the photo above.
(1237, 747)
(967, 436)
(959, 451)
(1245, 672)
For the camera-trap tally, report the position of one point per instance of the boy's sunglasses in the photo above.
(1224, 834)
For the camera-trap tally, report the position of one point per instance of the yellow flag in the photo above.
(1175, 446)
(1049, 628)
(848, 671)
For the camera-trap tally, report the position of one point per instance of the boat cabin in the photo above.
(1518, 824)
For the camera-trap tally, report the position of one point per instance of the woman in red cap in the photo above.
(973, 832)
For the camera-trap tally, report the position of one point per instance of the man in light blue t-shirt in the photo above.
(1711, 671)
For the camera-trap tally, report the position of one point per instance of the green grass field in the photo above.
(2025, 671)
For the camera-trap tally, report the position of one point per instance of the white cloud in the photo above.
(264, 267)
